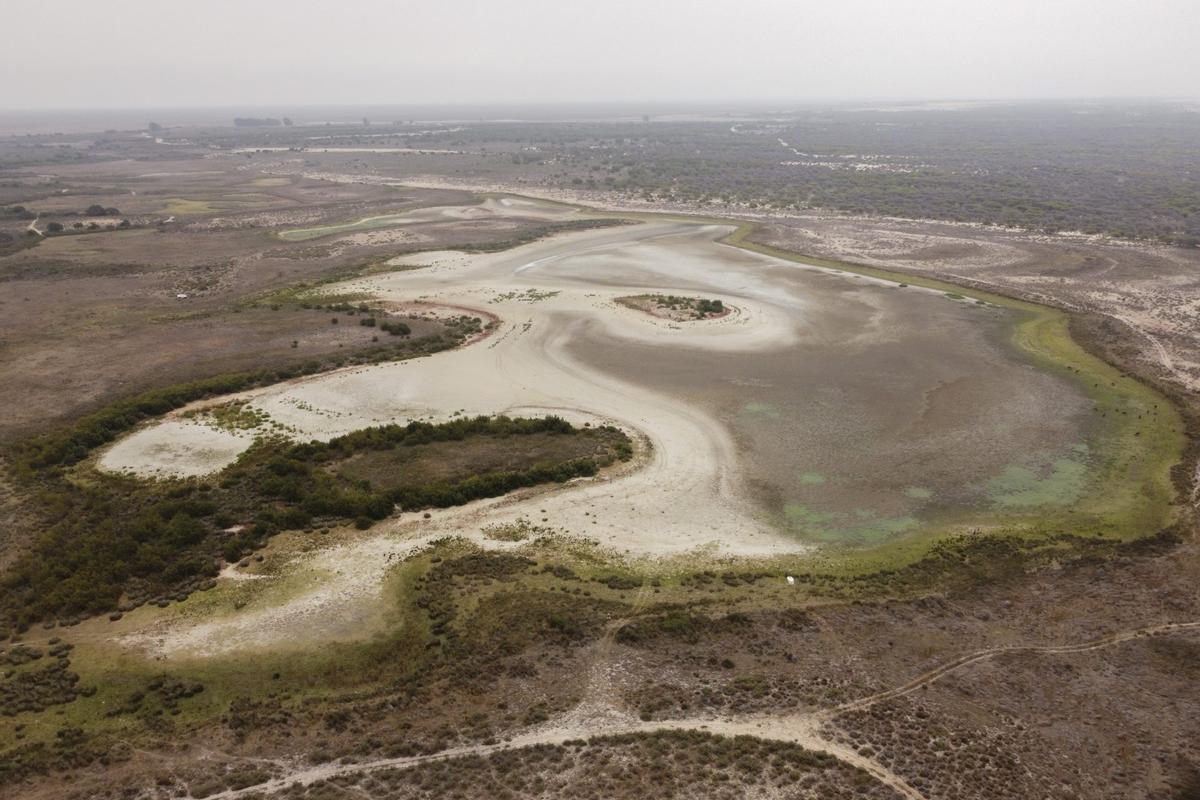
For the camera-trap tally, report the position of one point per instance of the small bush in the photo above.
(395, 328)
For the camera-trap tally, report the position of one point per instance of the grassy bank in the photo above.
(475, 643)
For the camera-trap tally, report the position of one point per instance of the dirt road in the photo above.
(598, 716)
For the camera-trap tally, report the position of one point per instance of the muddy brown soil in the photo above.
(1153, 290)
(1068, 700)
(86, 318)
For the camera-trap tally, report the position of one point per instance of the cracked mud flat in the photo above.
(178, 448)
(854, 383)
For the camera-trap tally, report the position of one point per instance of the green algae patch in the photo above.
(860, 527)
(760, 411)
(1022, 487)
(875, 530)
(1117, 485)
(800, 517)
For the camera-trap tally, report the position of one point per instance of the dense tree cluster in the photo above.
(697, 307)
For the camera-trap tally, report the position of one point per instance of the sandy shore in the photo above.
(688, 482)
(683, 497)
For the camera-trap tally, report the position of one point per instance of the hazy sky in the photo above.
(133, 53)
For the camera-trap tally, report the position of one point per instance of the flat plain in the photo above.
(411, 501)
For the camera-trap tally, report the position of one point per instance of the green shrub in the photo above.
(395, 328)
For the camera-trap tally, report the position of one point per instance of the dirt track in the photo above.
(802, 729)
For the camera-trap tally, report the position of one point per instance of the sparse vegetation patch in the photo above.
(674, 307)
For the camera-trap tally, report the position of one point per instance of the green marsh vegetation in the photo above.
(469, 628)
(464, 619)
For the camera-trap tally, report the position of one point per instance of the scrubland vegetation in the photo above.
(451, 647)
(489, 642)
(1117, 170)
(671, 764)
(112, 537)
(943, 762)
(478, 645)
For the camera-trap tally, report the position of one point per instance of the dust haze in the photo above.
(509, 401)
(136, 53)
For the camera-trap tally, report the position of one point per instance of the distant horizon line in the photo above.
(609, 103)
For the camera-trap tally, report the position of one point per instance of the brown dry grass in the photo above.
(455, 461)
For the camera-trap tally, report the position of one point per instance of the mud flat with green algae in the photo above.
(1114, 483)
(839, 407)
(835, 423)
(911, 408)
